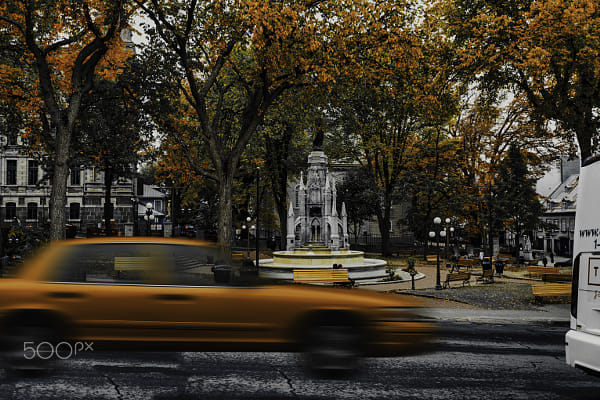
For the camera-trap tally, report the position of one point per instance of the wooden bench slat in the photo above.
(543, 270)
(321, 275)
(466, 262)
(132, 263)
(551, 289)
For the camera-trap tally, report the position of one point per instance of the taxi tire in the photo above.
(14, 348)
(333, 349)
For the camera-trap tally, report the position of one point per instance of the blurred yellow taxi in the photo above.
(168, 294)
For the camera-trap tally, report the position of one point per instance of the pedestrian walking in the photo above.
(545, 261)
(552, 257)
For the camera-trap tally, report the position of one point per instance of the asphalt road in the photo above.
(471, 361)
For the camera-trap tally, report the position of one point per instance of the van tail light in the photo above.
(575, 286)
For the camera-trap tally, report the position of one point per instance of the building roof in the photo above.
(152, 192)
(564, 197)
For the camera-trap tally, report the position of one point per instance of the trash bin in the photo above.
(222, 273)
(248, 266)
(499, 267)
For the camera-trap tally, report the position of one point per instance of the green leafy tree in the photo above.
(359, 193)
(516, 199)
(286, 145)
(109, 112)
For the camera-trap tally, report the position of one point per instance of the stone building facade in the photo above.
(25, 194)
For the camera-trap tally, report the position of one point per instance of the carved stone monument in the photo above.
(313, 217)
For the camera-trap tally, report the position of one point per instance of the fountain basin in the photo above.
(283, 263)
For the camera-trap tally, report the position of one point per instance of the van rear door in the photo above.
(588, 299)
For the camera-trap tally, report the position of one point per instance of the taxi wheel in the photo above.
(28, 348)
(333, 349)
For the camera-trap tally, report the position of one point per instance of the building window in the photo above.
(32, 172)
(158, 205)
(32, 211)
(11, 210)
(92, 201)
(563, 225)
(11, 172)
(74, 209)
(75, 176)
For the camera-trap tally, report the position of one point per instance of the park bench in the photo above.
(125, 266)
(132, 263)
(464, 277)
(465, 262)
(432, 259)
(542, 270)
(487, 276)
(323, 275)
(557, 277)
(551, 289)
(533, 262)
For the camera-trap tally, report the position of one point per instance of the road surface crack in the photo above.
(119, 394)
(535, 364)
(289, 382)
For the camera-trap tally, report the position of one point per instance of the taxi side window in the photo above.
(193, 265)
(145, 263)
(102, 263)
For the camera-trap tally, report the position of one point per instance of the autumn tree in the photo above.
(485, 131)
(548, 50)
(231, 61)
(55, 49)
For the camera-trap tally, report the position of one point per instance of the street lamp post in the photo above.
(257, 238)
(248, 219)
(149, 217)
(447, 221)
(437, 221)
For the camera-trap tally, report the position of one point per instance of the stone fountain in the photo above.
(317, 234)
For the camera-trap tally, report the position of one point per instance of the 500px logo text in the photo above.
(62, 350)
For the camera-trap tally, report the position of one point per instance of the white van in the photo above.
(582, 342)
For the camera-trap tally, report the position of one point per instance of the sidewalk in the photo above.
(508, 300)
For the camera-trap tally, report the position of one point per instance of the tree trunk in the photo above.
(59, 184)
(225, 214)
